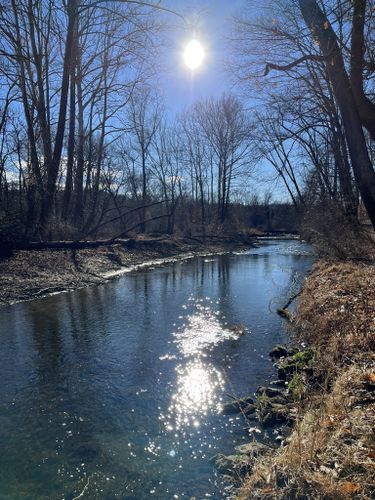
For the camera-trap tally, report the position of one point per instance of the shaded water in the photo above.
(116, 388)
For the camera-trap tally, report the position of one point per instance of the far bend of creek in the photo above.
(117, 387)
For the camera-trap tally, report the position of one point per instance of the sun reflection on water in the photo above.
(198, 388)
(204, 328)
(199, 384)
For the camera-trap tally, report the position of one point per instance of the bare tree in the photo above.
(316, 59)
(144, 119)
(66, 61)
(167, 166)
(226, 128)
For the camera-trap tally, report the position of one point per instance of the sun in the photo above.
(194, 54)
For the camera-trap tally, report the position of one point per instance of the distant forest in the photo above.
(88, 150)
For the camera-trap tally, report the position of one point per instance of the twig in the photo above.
(291, 300)
(84, 489)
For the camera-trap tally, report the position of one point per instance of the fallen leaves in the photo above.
(349, 487)
(370, 377)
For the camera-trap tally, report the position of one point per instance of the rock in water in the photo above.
(239, 329)
(279, 351)
(236, 406)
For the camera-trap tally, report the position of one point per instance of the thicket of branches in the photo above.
(87, 151)
(85, 148)
(312, 64)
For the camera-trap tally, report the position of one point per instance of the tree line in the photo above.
(87, 149)
(313, 63)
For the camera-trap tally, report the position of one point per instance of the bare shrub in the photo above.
(336, 235)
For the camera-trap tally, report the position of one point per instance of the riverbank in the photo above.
(328, 401)
(28, 274)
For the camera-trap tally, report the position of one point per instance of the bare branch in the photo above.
(136, 2)
(287, 67)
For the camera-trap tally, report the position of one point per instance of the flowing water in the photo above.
(114, 391)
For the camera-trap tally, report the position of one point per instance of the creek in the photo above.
(116, 389)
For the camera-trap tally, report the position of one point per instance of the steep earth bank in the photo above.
(321, 415)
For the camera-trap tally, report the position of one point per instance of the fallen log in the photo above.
(70, 244)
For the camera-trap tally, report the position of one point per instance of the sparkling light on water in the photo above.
(199, 384)
(198, 390)
(203, 330)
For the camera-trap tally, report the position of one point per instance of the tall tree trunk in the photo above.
(53, 165)
(362, 167)
(144, 192)
(36, 175)
(71, 141)
(344, 174)
(366, 108)
(219, 190)
(78, 180)
(101, 146)
(40, 103)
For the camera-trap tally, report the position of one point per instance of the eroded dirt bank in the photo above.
(317, 421)
(330, 452)
(29, 274)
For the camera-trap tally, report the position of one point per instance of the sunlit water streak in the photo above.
(203, 329)
(199, 385)
(119, 385)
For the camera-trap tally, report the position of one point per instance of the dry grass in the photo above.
(331, 452)
(336, 312)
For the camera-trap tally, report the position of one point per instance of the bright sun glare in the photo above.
(194, 54)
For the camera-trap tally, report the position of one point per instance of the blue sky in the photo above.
(209, 22)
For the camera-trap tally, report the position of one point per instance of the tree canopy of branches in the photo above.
(85, 148)
(70, 69)
(315, 61)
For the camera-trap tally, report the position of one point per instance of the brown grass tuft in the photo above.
(336, 312)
